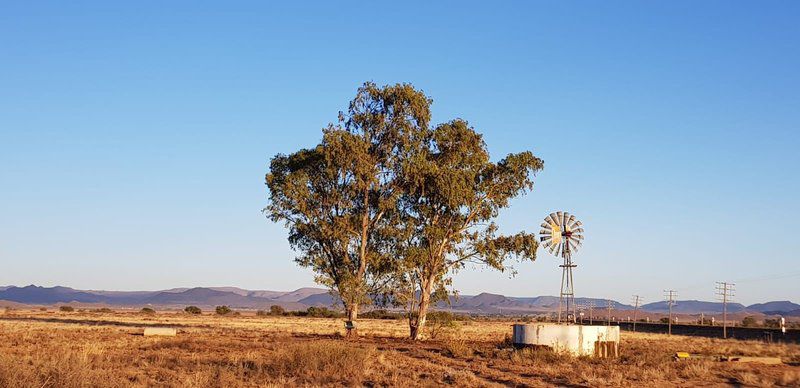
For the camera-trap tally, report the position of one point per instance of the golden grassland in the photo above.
(85, 349)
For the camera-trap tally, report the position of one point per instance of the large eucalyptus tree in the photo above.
(335, 197)
(451, 194)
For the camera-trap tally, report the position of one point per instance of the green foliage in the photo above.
(441, 322)
(335, 197)
(749, 322)
(773, 323)
(276, 310)
(193, 310)
(386, 205)
(223, 310)
(321, 312)
(664, 320)
(381, 314)
(66, 309)
(147, 310)
(451, 194)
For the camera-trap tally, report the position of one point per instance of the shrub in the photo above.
(66, 309)
(749, 322)
(223, 310)
(193, 310)
(381, 314)
(147, 310)
(440, 322)
(276, 310)
(103, 310)
(322, 312)
(262, 313)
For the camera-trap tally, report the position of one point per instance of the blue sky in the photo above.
(134, 136)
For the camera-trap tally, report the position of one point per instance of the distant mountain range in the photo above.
(177, 297)
(301, 299)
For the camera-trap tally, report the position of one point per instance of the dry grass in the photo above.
(59, 349)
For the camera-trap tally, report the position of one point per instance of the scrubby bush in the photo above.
(223, 310)
(322, 312)
(276, 310)
(441, 322)
(381, 314)
(147, 310)
(193, 310)
(66, 309)
(103, 310)
(749, 322)
(262, 313)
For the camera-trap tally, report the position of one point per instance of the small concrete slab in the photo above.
(161, 331)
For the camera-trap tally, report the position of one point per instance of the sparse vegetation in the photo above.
(441, 322)
(223, 310)
(276, 310)
(321, 312)
(66, 309)
(193, 310)
(43, 351)
(147, 310)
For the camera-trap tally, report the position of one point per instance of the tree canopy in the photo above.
(387, 205)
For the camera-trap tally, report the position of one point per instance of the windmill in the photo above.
(562, 235)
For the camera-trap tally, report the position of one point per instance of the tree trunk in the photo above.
(352, 316)
(418, 322)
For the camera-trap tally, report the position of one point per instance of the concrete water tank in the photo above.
(578, 340)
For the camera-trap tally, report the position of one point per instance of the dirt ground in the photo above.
(107, 349)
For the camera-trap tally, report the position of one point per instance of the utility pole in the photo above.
(670, 296)
(636, 301)
(609, 305)
(725, 291)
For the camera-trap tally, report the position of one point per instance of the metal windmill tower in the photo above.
(562, 235)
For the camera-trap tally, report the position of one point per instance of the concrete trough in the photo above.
(578, 340)
(161, 331)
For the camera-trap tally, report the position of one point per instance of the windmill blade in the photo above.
(560, 217)
(577, 231)
(551, 220)
(546, 225)
(570, 222)
(553, 249)
(574, 245)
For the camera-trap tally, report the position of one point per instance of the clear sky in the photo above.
(134, 136)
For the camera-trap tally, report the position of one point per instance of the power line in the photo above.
(636, 301)
(670, 295)
(725, 291)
